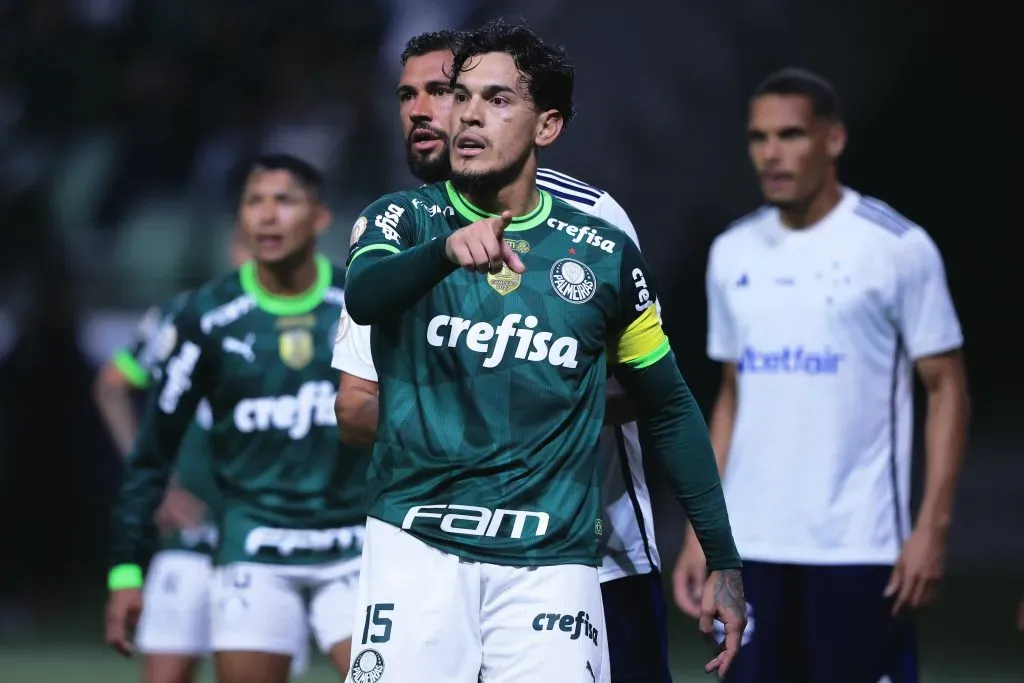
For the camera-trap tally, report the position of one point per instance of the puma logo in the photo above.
(241, 347)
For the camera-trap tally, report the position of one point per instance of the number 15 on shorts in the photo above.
(377, 624)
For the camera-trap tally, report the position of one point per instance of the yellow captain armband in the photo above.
(641, 344)
(124, 577)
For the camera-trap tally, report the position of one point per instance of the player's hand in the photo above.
(179, 510)
(481, 246)
(123, 609)
(723, 600)
(689, 576)
(915, 578)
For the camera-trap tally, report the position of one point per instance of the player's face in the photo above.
(281, 217)
(495, 127)
(424, 104)
(792, 150)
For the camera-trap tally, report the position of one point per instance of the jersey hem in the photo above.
(485, 558)
(817, 556)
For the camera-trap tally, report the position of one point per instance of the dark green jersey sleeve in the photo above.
(390, 266)
(170, 409)
(670, 420)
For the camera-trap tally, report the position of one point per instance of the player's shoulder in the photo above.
(585, 229)
(742, 233)
(220, 301)
(412, 198)
(571, 190)
(885, 227)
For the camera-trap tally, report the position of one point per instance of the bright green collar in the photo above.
(287, 305)
(473, 214)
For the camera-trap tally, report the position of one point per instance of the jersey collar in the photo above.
(287, 305)
(473, 214)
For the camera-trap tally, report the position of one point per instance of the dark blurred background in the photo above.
(122, 124)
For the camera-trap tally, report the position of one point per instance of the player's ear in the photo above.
(549, 127)
(323, 220)
(835, 139)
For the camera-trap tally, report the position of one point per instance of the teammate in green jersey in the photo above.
(257, 343)
(173, 633)
(484, 474)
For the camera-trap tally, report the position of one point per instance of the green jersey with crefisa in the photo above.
(492, 388)
(291, 491)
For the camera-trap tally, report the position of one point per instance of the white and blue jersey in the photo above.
(823, 325)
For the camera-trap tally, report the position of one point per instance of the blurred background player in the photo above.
(173, 632)
(257, 343)
(631, 583)
(820, 306)
(484, 469)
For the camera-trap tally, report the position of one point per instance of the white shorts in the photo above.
(175, 618)
(261, 607)
(428, 616)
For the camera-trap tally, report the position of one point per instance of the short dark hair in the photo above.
(305, 174)
(796, 81)
(544, 70)
(432, 41)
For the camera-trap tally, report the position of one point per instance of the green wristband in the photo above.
(124, 577)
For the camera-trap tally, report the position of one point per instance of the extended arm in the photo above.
(383, 282)
(678, 438)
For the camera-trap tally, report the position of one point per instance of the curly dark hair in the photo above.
(432, 41)
(544, 71)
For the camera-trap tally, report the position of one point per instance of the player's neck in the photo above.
(520, 196)
(290, 277)
(816, 207)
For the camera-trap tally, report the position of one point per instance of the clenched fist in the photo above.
(481, 246)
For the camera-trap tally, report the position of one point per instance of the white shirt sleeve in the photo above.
(610, 210)
(923, 307)
(723, 343)
(352, 352)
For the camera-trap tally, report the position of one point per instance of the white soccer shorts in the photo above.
(175, 617)
(261, 607)
(430, 617)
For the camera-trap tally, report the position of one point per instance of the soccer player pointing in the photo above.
(484, 474)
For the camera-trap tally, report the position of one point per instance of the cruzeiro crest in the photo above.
(573, 281)
(367, 667)
(295, 347)
(508, 281)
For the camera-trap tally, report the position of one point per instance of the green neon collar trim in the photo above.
(473, 214)
(287, 305)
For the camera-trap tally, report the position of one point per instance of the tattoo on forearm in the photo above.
(729, 591)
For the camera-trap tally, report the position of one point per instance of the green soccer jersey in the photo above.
(139, 363)
(492, 388)
(291, 490)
